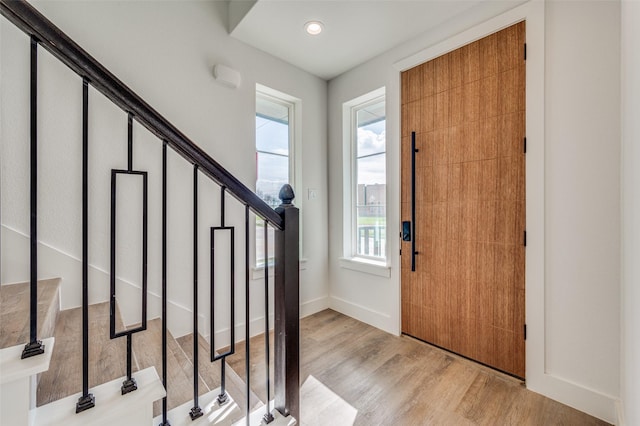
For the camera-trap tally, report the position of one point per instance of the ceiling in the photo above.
(354, 30)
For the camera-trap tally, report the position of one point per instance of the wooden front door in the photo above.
(467, 111)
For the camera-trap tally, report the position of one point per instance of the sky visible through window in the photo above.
(272, 158)
(272, 163)
(371, 181)
(371, 154)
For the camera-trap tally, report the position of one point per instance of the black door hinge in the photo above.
(525, 145)
(525, 332)
(524, 242)
(400, 252)
(525, 51)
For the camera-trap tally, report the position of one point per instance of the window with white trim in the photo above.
(274, 159)
(367, 190)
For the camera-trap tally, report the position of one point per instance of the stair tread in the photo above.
(14, 302)
(147, 347)
(210, 373)
(107, 358)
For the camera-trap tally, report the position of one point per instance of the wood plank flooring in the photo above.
(347, 365)
(351, 373)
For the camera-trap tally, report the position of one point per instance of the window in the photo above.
(371, 186)
(274, 165)
(368, 186)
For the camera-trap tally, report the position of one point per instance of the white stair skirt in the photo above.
(256, 418)
(112, 408)
(16, 378)
(220, 415)
(213, 413)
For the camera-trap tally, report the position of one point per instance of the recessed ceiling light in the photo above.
(314, 27)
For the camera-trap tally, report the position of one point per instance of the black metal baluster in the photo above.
(196, 411)
(268, 417)
(165, 421)
(129, 384)
(35, 346)
(223, 397)
(223, 190)
(129, 142)
(87, 400)
(247, 357)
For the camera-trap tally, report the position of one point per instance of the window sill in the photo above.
(372, 267)
(258, 273)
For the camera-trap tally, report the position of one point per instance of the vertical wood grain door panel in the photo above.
(467, 109)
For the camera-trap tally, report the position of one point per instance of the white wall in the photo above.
(577, 354)
(629, 369)
(165, 51)
(582, 193)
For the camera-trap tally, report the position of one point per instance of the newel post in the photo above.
(287, 308)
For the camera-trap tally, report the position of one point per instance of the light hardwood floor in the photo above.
(352, 373)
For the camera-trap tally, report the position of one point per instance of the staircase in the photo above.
(63, 379)
(85, 365)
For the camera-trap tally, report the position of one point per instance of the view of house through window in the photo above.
(370, 180)
(273, 165)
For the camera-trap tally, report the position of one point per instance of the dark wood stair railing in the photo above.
(50, 37)
(284, 220)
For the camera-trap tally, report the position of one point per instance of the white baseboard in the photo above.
(620, 413)
(257, 325)
(362, 313)
(575, 395)
(310, 307)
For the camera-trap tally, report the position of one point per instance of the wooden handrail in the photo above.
(54, 40)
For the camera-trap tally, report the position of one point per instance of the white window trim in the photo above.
(350, 259)
(371, 267)
(257, 273)
(295, 167)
